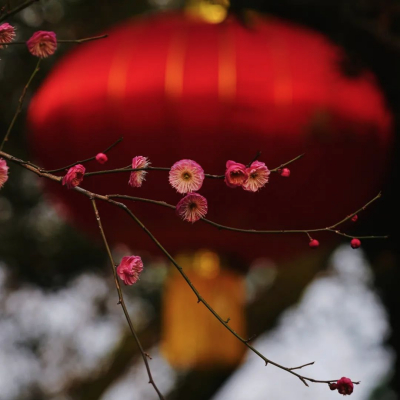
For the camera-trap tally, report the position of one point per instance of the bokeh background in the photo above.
(62, 335)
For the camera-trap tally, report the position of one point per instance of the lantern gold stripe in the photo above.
(175, 66)
(118, 74)
(226, 65)
(283, 89)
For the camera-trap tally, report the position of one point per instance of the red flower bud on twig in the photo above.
(285, 172)
(101, 158)
(355, 243)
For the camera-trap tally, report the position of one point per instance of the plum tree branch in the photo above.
(94, 196)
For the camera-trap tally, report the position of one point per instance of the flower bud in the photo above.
(285, 172)
(313, 243)
(355, 243)
(101, 158)
(333, 386)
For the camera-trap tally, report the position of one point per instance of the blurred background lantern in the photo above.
(176, 86)
(191, 339)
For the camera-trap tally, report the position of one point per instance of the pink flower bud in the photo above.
(333, 386)
(3, 172)
(192, 207)
(129, 269)
(354, 218)
(345, 386)
(355, 243)
(313, 243)
(235, 174)
(101, 158)
(74, 176)
(42, 44)
(285, 172)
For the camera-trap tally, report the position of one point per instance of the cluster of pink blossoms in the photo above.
(344, 386)
(250, 178)
(3, 172)
(187, 177)
(41, 44)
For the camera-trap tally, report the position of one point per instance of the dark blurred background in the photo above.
(61, 334)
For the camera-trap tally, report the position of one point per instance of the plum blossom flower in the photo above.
(101, 158)
(137, 177)
(258, 175)
(192, 207)
(186, 176)
(42, 44)
(74, 176)
(3, 172)
(7, 34)
(345, 386)
(129, 269)
(235, 174)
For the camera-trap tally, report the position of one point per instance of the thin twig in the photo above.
(302, 366)
(263, 232)
(127, 169)
(79, 41)
(121, 301)
(20, 102)
(83, 161)
(17, 9)
(254, 158)
(287, 163)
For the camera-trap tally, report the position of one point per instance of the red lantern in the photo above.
(175, 87)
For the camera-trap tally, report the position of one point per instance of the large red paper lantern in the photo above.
(175, 87)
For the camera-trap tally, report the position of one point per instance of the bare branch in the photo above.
(122, 302)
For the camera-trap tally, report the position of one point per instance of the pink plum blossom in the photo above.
(3, 172)
(192, 207)
(101, 158)
(345, 386)
(137, 177)
(258, 175)
(186, 176)
(42, 44)
(129, 269)
(235, 174)
(7, 34)
(74, 176)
